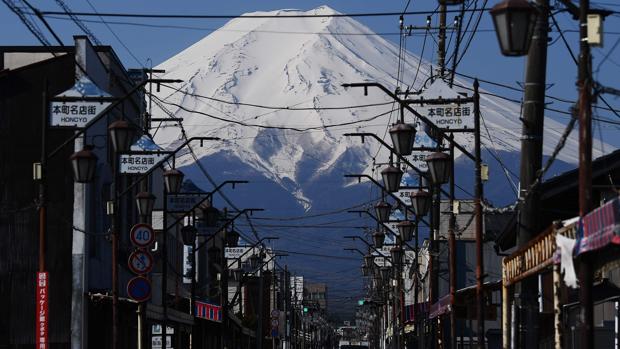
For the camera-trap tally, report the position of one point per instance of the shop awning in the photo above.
(599, 228)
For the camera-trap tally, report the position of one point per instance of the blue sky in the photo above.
(482, 59)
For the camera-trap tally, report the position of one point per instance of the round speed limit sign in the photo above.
(142, 235)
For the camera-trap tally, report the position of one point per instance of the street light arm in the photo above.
(387, 229)
(104, 112)
(405, 105)
(211, 236)
(369, 245)
(355, 249)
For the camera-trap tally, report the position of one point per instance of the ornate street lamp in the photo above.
(403, 137)
(439, 167)
(421, 202)
(514, 22)
(188, 234)
(385, 272)
(369, 260)
(83, 164)
(173, 179)
(214, 253)
(145, 202)
(378, 238)
(391, 178)
(397, 255)
(255, 261)
(232, 238)
(383, 210)
(406, 230)
(210, 214)
(121, 135)
(236, 274)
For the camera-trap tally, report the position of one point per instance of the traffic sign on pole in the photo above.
(142, 235)
(140, 262)
(139, 289)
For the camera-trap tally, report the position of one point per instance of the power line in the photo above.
(288, 108)
(268, 126)
(277, 16)
(116, 36)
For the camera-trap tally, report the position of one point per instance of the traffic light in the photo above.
(360, 302)
(305, 309)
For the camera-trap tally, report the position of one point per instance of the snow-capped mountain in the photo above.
(247, 81)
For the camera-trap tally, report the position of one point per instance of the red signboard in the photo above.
(42, 319)
(208, 311)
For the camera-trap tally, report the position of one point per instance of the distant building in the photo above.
(316, 293)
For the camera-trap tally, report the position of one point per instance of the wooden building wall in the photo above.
(21, 112)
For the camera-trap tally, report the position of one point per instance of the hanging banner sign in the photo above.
(79, 105)
(42, 315)
(144, 156)
(183, 202)
(235, 252)
(382, 262)
(404, 195)
(75, 113)
(449, 116)
(139, 163)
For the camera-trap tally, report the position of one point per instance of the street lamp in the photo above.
(403, 137)
(121, 135)
(378, 238)
(439, 167)
(232, 238)
(383, 210)
(210, 214)
(145, 202)
(369, 260)
(365, 271)
(173, 179)
(397, 255)
(83, 164)
(255, 261)
(406, 229)
(385, 272)
(188, 234)
(421, 202)
(514, 22)
(391, 178)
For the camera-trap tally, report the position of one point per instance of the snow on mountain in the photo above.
(302, 63)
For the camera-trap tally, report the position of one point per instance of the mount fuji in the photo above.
(266, 86)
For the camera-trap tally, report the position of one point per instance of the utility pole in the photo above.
(585, 171)
(436, 211)
(478, 221)
(441, 42)
(531, 163)
(452, 251)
